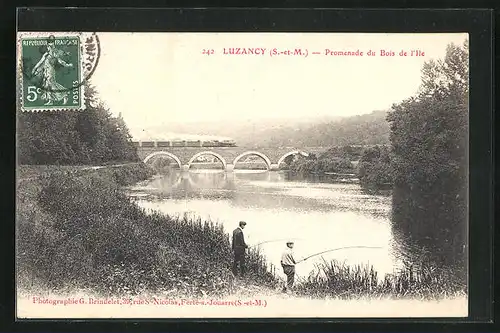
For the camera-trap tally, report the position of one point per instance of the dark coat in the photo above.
(238, 244)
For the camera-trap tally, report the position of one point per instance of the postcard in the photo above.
(242, 175)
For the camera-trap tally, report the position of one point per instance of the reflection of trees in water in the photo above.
(431, 228)
(195, 185)
(348, 198)
(254, 189)
(202, 180)
(253, 176)
(430, 162)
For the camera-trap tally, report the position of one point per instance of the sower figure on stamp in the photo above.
(239, 247)
(45, 70)
(288, 263)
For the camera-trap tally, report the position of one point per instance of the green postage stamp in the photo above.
(53, 69)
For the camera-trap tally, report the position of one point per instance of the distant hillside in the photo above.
(326, 131)
(241, 130)
(358, 130)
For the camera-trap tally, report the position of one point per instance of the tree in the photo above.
(375, 168)
(429, 149)
(325, 163)
(47, 137)
(92, 136)
(120, 140)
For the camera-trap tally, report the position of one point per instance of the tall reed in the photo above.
(339, 280)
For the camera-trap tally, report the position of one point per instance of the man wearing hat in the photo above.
(239, 247)
(288, 263)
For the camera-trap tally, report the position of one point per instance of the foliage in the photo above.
(349, 152)
(429, 144)
(334, 160)
(368, 129)
(83, 232)
(163, 165)
(430, 130)
(336, 279)
(92, 136)
(375, 169)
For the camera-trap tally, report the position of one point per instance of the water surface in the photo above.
(317, 215)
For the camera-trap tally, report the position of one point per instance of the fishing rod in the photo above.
(341, 248)
(274, 240)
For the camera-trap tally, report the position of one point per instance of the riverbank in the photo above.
(78, 230)
(31, 172)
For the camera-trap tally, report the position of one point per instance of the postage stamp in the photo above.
(53, 69)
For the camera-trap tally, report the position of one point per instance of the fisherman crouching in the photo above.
(288, 263)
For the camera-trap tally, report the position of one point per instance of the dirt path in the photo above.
(26, 173)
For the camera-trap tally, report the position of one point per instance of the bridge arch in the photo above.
(156, 153)
(208, 152)
(251, 152)
(294, 152)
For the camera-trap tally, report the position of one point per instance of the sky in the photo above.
(157, 78)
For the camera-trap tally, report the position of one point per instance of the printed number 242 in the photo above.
(208, 51)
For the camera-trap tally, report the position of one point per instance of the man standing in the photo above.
(288, 263)
(239, 247)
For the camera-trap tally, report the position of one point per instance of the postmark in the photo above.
(53, 69)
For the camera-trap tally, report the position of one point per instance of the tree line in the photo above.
(429, 143)
(428, 132)
(335, 160)
(425, 163)
(68, 137)
(373, 168)
(367, 129)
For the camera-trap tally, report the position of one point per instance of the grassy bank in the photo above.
(30, 172)
(34, 171)
(337, 280)
(81, 232)
(77, 230)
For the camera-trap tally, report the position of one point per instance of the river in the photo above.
(317, 215)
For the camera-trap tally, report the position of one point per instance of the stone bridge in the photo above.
(228, 156)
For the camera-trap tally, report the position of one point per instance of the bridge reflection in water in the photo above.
(205, 183)
(214, 179)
